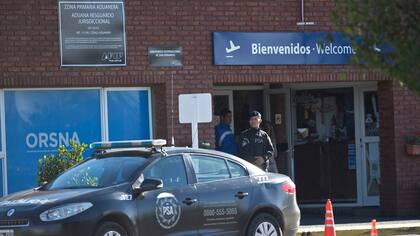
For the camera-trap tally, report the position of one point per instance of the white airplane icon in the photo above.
(232, 47)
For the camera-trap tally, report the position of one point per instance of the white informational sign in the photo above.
(193, 109)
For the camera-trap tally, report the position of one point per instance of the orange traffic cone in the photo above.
(329, 219)
(373, 231)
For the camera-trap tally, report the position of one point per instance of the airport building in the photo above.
(113, 70)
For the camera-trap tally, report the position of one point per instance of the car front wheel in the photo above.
(264, 225)
(110, 229)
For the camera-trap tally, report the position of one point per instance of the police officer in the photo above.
(254, 144)
(225, 139)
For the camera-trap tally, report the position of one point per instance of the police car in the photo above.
(143, 188)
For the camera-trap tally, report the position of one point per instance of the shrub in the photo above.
(50, 166)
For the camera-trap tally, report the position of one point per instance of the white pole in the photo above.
(194, 125)
(194, 131)
(172, 111)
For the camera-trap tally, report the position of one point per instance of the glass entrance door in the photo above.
(245, 101)
(277, 123)
(369, 145)
(223, 99)
(324, 145)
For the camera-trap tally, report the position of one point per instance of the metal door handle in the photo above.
(241, 195)
(189, 201)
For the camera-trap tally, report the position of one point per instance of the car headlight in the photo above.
(65, 211)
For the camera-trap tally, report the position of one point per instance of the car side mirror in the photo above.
(148, 185)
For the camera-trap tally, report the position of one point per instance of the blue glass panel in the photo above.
(39, 121)
(128, 115)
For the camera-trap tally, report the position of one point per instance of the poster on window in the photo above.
(92, 33)
(39, 121)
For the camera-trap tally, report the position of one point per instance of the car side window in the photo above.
(236, 170)
(209, 169)
(171, 170)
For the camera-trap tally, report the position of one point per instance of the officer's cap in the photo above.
(254, 113)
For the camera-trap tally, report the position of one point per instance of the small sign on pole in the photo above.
(165, 56)
(193, 109)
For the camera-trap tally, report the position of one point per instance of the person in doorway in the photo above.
(254, 144)
(268, 127)
(225, 139)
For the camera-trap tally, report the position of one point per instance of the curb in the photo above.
(363, 226)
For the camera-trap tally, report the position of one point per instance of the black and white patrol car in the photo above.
(141, 188)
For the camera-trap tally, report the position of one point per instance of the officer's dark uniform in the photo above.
(255, 142)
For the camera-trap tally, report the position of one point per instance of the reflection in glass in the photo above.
(99, 173)
(372, 168)
(371, 113)
(324, 143)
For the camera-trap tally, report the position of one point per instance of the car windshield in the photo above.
(99, 173)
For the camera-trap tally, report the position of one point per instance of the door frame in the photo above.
(288, 115)
(357, 86)
(292, 88)
(229, 93)
(360, 145)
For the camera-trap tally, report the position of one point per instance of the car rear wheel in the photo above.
(111, 229)
(264, 224)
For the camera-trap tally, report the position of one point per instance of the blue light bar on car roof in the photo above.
(129, 144)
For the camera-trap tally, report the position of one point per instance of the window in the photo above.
(236, 170)
(99, 173)
(171, 170)
(128, 114)
(40, 121)
(209, 168)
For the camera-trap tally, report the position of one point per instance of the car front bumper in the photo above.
(51, 230)
(83, 224)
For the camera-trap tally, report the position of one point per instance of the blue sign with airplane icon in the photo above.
(281, 48)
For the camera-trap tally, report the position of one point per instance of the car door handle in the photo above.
(189, 201)
(241, 195)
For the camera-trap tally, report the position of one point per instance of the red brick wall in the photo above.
(30, 58)
(30, 48)
(159, 113)
(400, 173)
(388, 187)
(407, 115)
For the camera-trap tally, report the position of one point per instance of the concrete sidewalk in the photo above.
(364, 226)
(357, 221)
